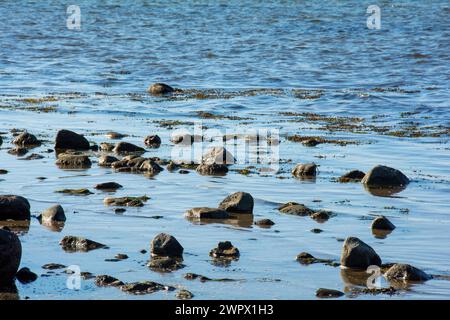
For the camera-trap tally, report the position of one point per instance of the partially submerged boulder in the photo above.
(305, 170)
(358, 255)
(206, 213)
(166, 245)
(383, 176)
(352, 176)
(107, 281)
(382, 223)
(295, 208)
(26, 139)
(328, 293)
(10, 255)
(225, 250)
(127, 148)
(165, 264)
(53, 214)
(108, 186)
(153, 141)
(406, 272)
(14, 208)
(238, 202)
(107, 161)
(25, 275)
(66, 139)
(212, 169)
(158, 89)
(73, 161)
(72, 244)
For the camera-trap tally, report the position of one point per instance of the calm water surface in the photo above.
(395, 78)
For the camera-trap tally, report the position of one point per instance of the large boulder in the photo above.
(358, 255)
(382, 176)
(160, 89)
(305, 170)
(218, 155)
(406, 272)
(10, 255)
(26, 139)
(239, 202)
(66, 139)
(166, 245)
(14, 208)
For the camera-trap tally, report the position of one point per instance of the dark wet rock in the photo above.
(75, 192)
(306, 259)
(9, 291)
(72, 244)
(264, 223)
(10, 255)
(121, 256)
(1, 140)
(126, 201)
(127, 148)
(166, 245)
(153, 141)
(382, 223)
(107, 281)
(212, 169)
(3, 171)
(73, 161)
(107, 147)
(151, 167)
(143, 287)
(14, 208)
(107, 161)
(165, 264)
(305, 170)
(138, 165)
(358, 255)
(66, 139)
(295, 209)
(328, 293)
(86, 275)
(53, 266)
(352, 176)
(108, 186)
(25, 275)
(26, 139)
(321, 215)
(115, 135)
(239, 202)
(218, 155)
(225, 250)
(193, 276)
(158, 89)
(316, 230)
(184, 295)
(206, 213)
(53, 214)
(18, 151)
(406, 272)
(383, 176)
(119, 210)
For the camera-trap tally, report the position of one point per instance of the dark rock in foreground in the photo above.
(383, 176)
(10, 255)
(406, 272)
(328, 293)
(239, 202)
(358, 255)
(166, 245)
(14, 208)
(72, 244)
(305, 170)
(153, 141)
(66, 139)
(264, 223)
(382, 223)
(25, 275)
(26, 139)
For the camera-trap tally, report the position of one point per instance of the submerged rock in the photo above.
(382, 223)
(14, 208)
(144, 287)
(328, 293)
(305, 170)
(53, 214)
(206, 213)
(321, 216)
(25, 275)
(107, 161)
(73, 161)
(66, 139)
(212, 169)
(108, 186)
(239, 202)
(107, 281)
(218, 155)
(295, 208)
(160, 89)
(225, 250)
(383, 176)
(153, 141)
(126, 201)
(406, 272)
(71, 244)
(10, 255)
(126, 148)
(165, 264)
(306, 259)
(358, 255)
(75, 192)
(264, 223)
(166, 245)
(26, 139)
(352, 176)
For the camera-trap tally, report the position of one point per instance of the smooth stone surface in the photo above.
(53, 214)
(10, 255)
(305, 170)
(218, 155)
(406, 272)
(328, 293)
(166, 245)
(382, 223)
(108, 186)
(358, 255)
(352, 176)
(66, 139)
(383, 176)
(14, 208)
(73, 161)
(126, 148)
(153, 141)
(295, 208)
(238, 202)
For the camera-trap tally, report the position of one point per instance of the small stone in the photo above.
(316, 230)
(144, 287)
(115, 135)
(25, 275)
(295, 209)
(107, 161)
(212, 169)
(66, 139)
(160, 89)
(206, 213)
(358, 255)
(108, 186)
(184, 295)
(321, 215)
(406, 272)
(126, 201)
(328, 293)
(26, 139)
(352, 176)
(239, 202)
(53, 266)
(72, 244)
(305, 170)
(165, 264)
(73, 161)
(172, 166)
(383, 176)
(121, 256)
(166, 245)
(225, 250)
(153, 141)
(382, 223)
(264, 223)
(107, 147)
(75, 192)
(107, 281)
(126, 148)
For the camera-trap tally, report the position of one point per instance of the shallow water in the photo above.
(392, 83)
